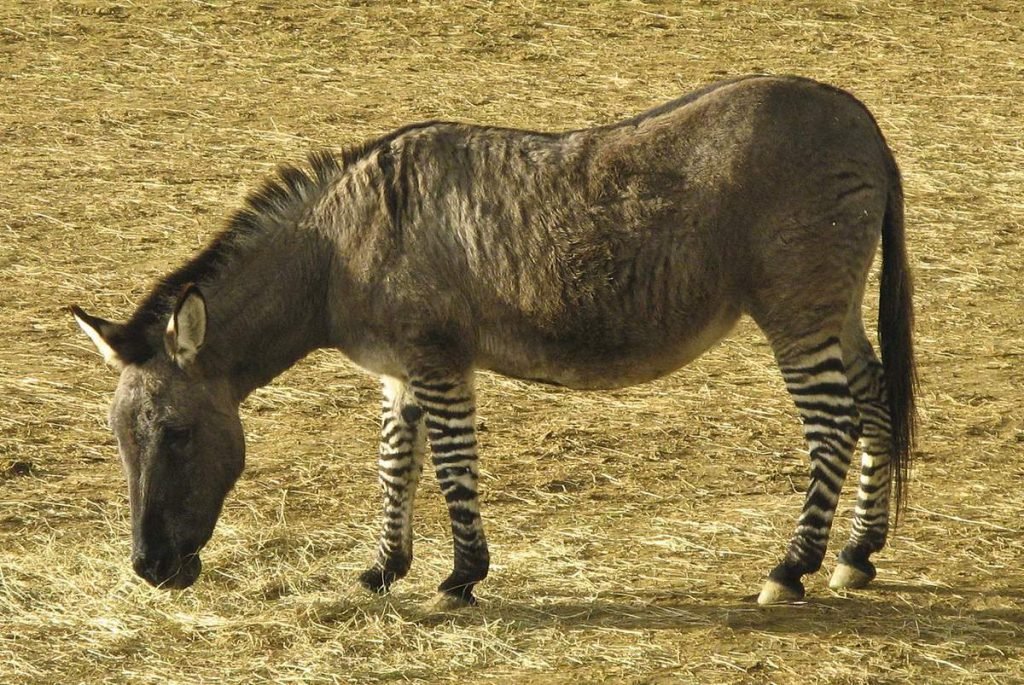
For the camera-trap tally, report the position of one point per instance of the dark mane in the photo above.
(280, 198)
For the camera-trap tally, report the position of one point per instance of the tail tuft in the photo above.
(896, 339)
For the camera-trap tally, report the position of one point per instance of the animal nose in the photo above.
(154, 568)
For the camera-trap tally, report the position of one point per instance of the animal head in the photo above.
(178, 433)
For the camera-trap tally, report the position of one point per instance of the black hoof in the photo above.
(380, 578)
(459, 589)
(377, 579)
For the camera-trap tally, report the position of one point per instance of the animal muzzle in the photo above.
(167, 570)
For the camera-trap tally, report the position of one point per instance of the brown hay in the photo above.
(627, 527)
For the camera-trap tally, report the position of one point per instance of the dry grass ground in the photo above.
(629, 529)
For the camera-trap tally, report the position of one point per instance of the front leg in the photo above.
(450, 417)
(400, 462)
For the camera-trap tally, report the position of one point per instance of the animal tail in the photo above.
(896, 339)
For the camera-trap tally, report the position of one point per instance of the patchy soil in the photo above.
(629, 529)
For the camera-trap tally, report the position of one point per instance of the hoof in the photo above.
(847, 577)
(460, 588)
(445, 602)
(775, 592)
(376, 580)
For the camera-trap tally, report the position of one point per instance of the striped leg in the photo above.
(816, 379)
(400, 462)
(871, 514)
(450, 414)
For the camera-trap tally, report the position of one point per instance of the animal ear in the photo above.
(186, 330)
(103, 334)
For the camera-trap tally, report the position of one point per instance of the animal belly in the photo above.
(589, 364)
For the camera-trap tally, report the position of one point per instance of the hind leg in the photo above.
(816, 379)
(871, 513)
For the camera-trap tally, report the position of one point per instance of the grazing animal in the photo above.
(592, 259)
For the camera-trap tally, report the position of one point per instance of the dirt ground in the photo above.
(629, 530)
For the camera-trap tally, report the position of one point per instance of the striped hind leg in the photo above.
(816, 379)
(400, 462)
(450, 415)
(871, 513)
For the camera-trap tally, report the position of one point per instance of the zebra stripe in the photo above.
(450, 418)
(871, 514)
(399, 463)
(817, 382)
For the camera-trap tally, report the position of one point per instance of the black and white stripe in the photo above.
(400, 462)
(871, 513)
(816, 379)
(449, 409)
(443, 410)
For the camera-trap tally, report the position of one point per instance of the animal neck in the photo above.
(273, 281)
(267, 308)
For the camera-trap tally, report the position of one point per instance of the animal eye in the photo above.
(175, 436)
